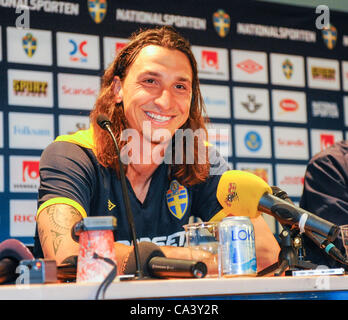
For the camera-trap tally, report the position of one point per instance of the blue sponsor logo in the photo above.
(253, 141)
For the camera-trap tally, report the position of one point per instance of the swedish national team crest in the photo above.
(177, 199)
(29, 44)
(288, 68)
(329, 35)
(222, 22)
(97, 9)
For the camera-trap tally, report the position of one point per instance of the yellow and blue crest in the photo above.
(97, 9)
(329, 35)
(29, 44)
(288, 68)
(221, 22)
(177, 199)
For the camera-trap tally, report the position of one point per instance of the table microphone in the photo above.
(242, 193)
(105, 124)
(156, 265)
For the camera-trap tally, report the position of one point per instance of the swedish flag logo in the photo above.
(177, 199)
(329, 34)
(29, 44)
(222, 22)
(97, 10)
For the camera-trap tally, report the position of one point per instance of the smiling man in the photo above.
(151, 90)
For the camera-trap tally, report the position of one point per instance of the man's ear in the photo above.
(118, 89)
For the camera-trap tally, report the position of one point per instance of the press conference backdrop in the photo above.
(274, 83)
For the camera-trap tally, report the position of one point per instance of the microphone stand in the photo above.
(104, 123)
(290, 256)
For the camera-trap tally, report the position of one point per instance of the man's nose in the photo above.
(164, 100)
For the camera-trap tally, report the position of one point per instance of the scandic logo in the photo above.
(30, 88)
(249, 66)
(288, 105)
(291, 143)
(79, 91)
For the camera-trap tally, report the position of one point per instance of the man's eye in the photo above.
(180, 86)
(149, 81)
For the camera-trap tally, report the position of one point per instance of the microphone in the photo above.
(11, 253)
(105, 124)
(242, 193)
(156, 265)
(319, 240)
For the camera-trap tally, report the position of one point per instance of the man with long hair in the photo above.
(152, 97)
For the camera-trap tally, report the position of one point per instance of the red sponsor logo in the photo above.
(292, 180)
(291, 143)
(288, 105)
(326, 140)
(249, 66)
(24, 218)
(119, 46)
(210, 59)
(79, 91)
(30, 170)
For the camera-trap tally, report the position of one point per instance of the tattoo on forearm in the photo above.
(61, 219)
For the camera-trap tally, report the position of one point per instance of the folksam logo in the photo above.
(253, 141)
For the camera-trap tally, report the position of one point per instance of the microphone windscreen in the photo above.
(239, 193)
(15, 250)
(103, 120)
(147, 250)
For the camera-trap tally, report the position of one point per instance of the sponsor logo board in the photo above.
(78, 51)
(77, 91)
(250, 103)
(289, 106)
(212, 62)
(70, 124)
(321, 139)
(323, 73)
(290, 143)
(219, 135)
(345, 75)
(30, 88)
(216, 100)
(290, 178)
(112, 46)
(22, 218)
(30, 46)
(24, 174)
(287, 70)
(253, 141)
(249, 66)
(1, 129)
(2, 176)
(30, 130)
